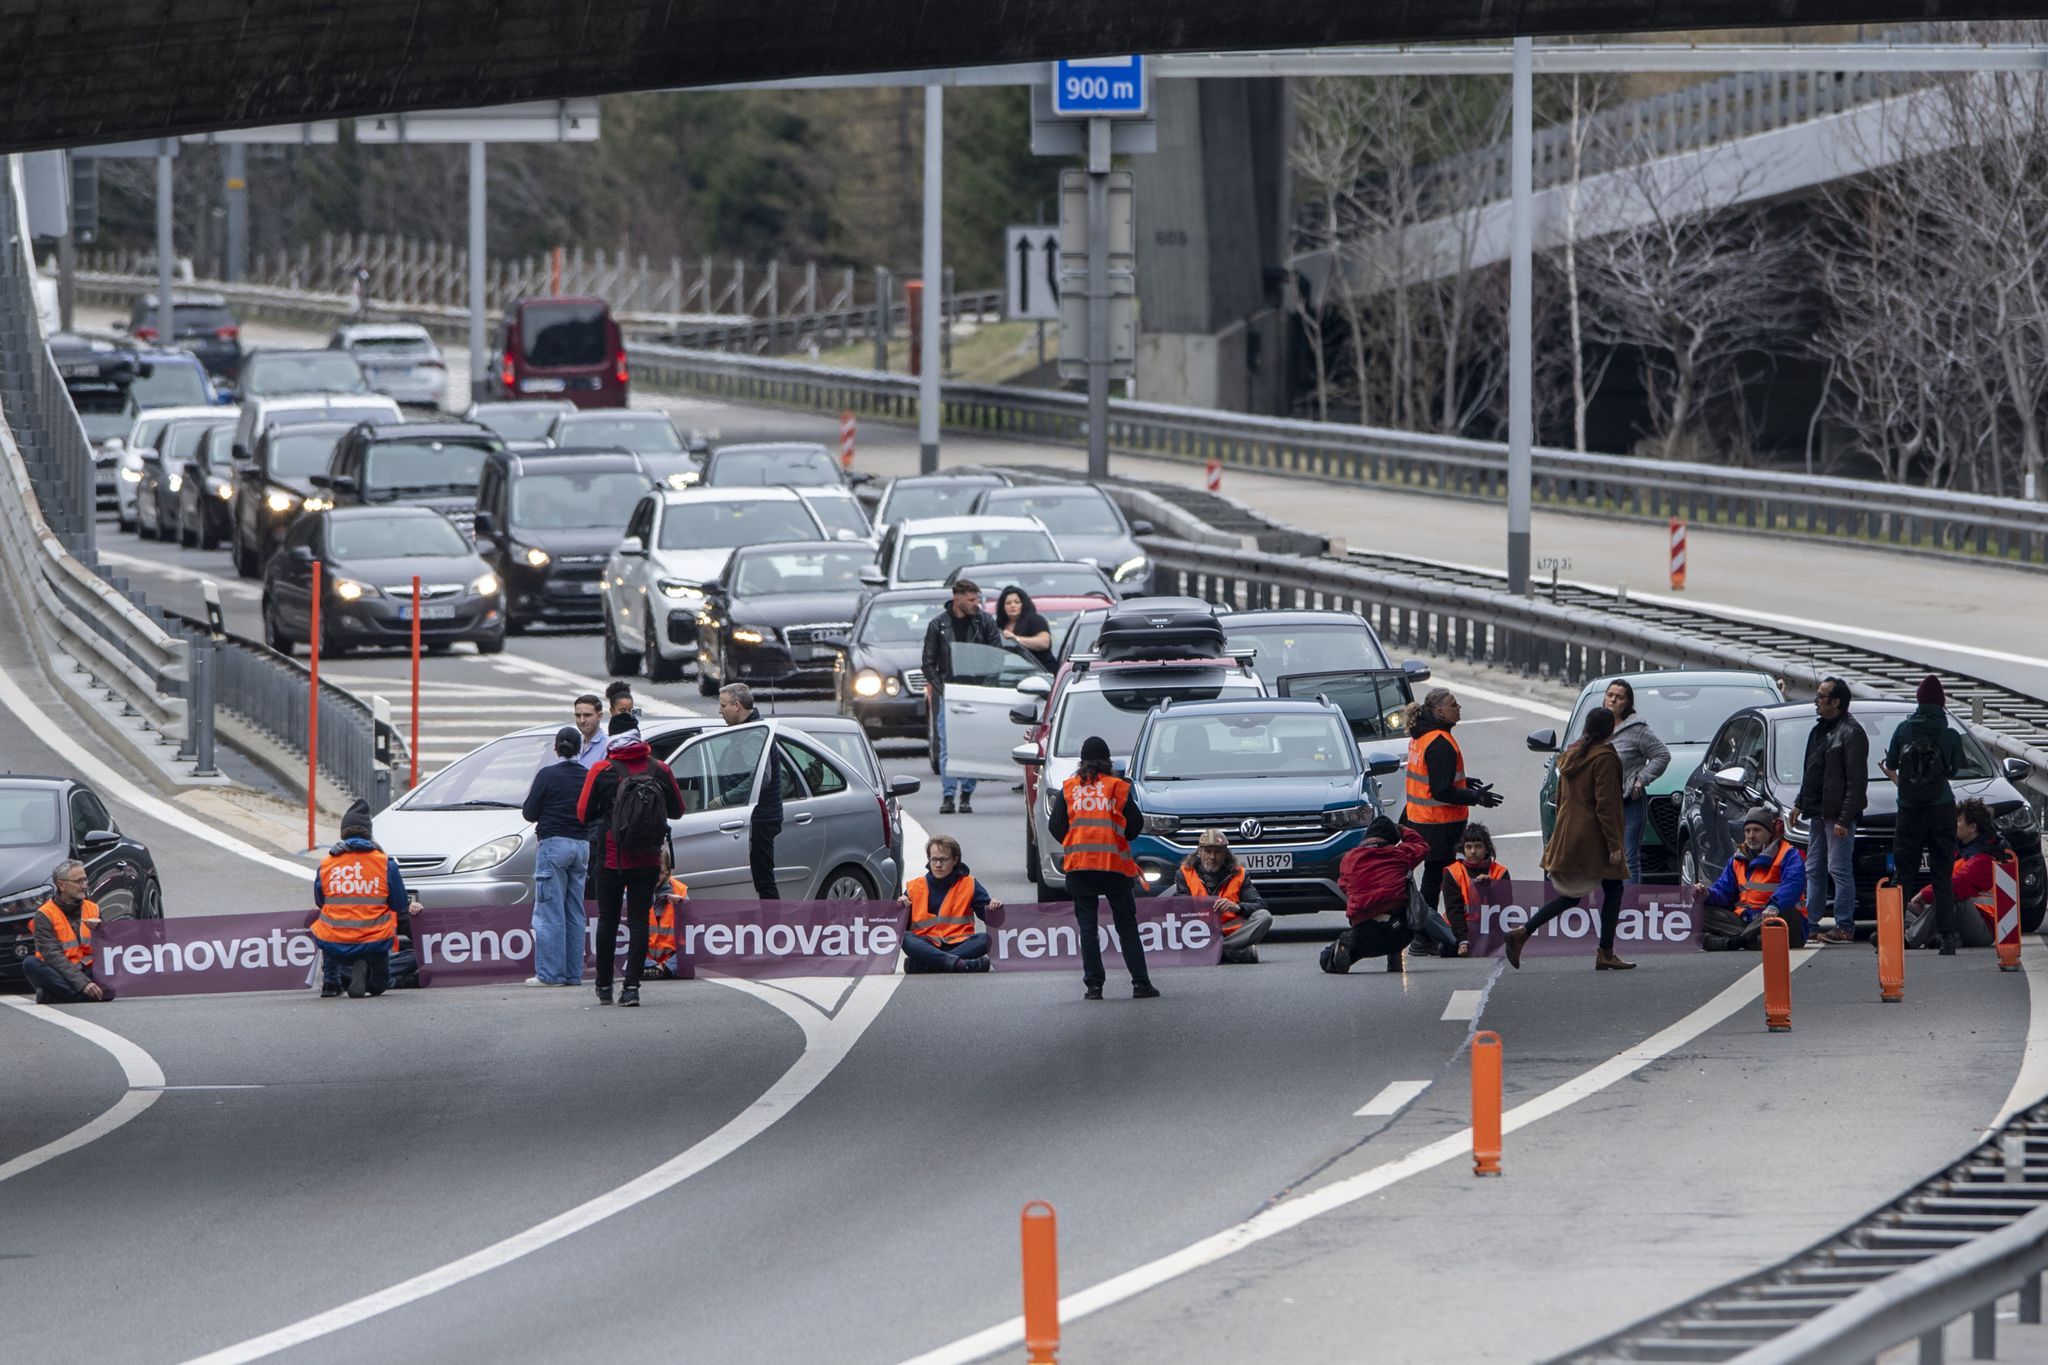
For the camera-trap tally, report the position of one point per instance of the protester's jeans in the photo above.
(47, 979)
(1831, 873)
(1635, 814)
(949, 786)
(560, 865)
(920, 954)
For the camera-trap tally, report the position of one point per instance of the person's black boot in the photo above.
(1144, 990)
(629, 998)
(1949, 944)
(966, 804)
(1091, 993)
(604, 995)
(946, 806)
(328, 991)
(1394, 960)
(359, 978)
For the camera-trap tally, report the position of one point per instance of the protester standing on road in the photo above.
(1241, 913)
(1476, 863)
(619, 698)
(1767, 876)
(1586, 846)
(1834, 787)
(1374, 880)
(1980, 851)
(590, 728)
(561, 863)
(944, 904)
(736, 706)
(358, 896)
(1643, 760)
(631, 796)
(61, 968)
(1923, 755)
(962, 622)
(1440, 795)
(1095, 818)
(1021, 625)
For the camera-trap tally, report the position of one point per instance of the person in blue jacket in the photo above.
(1767, 876)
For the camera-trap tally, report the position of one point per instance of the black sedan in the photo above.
(1756, 759)
(205, 510)
(368, 557)
(47, 820)
(274, 486)
(777, 613)
(546, 523)
(164, 471)
(878, 678)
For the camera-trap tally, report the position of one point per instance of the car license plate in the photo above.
(541, 386)
(434, 613)
(1267, 862)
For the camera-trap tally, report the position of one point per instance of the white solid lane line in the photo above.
(145, 1085)
(1826, 628)
(2032, 1082)
(1292, 1213)
(1464, 1005)
(1467, 688)
(1392, 1099)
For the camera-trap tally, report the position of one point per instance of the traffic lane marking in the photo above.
(1392, 1099)
(1464, 1006)
(1465, 687)
(145, 1084)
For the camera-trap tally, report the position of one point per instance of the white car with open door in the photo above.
(986, 686)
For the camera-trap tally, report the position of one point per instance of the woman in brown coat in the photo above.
(1587, 847)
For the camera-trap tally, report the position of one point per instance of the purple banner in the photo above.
(765, 939)
(1654, 919)
(1175, 931)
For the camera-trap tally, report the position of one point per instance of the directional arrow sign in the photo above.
(1031, 256)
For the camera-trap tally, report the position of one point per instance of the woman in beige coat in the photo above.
(1587, 847)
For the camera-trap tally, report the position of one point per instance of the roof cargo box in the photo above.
(1168, 632)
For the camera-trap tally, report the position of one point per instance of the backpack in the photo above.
(1923, 770)
(639, 813)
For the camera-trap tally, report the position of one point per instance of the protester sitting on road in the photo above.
(1767, 876)
(1644, 758)
(944, 903)
(561, 862)
(1440, 795)
(1586, 847)
(61, 968)
(661, 921)
(1834, 787)
(1374, 880)
(1095, 817)
(1476, 863)
(1979, 851)
(590, 725)
(631, 796)
(1241, 913)
(1924, 754)
(359, 896)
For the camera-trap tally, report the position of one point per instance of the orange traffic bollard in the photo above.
(1677, 555)
(2005, 904)
(1041, 1283)
(1212, 474)
(846, 434)
(1486, 1103)
(1777, 976)
(1891, 942)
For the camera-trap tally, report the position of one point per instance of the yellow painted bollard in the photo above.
(1891, 942)
(1777, 945)
(1486, 1098)
(1040, 1228)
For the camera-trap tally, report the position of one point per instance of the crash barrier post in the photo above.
(1041, 1283)
(1677, 555)
(1891, 942)
(313, 717)
(413, 772)
(1486, 1100)
(913, 307)
(216, 620)
(1212, 474)
(1777, 976)
(199, 670)
(555, 272)
(846, 433)
(2005, 891)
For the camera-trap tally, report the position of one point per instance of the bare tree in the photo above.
(1329, 156)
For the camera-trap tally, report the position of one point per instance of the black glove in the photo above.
(1488, 798)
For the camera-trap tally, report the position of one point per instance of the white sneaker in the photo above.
(536, 981)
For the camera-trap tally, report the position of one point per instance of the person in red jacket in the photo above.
(631, 796)
(1978, 851)
(1374, 879)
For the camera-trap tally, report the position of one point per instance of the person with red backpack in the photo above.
(631, 796)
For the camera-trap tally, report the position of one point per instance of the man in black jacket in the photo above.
(736, 705)
(561, 863)
(1925, 753)
(962, 622)
(1833, 791)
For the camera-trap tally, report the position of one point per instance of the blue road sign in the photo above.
(1099, 87)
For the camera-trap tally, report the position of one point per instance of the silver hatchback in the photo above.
(460, 840)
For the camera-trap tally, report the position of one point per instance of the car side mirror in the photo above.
(1024, 713)
(833, 641)
(857, 477)
(98, 838)
(1141, 527)
(1415, 670)
(150, 456)
(485, 524)
(1028, 756)
(118, 325)
(2017, 769)
(1735, 779)
(1383, 765)
(871, 576)
(318, 480)
(904, 786)
(341, 483)
(1543, 741)
(1037, 685)
(633, 547)
(302, 554)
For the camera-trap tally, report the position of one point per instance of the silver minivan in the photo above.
(460, 840)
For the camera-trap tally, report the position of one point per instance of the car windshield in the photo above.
(1080, 514)
(1329, 647)
(394, 538)
(374, 349)
(989, 666)
(1789, 746)
(929, 558)
(337, 412)
(328, 372)
(395, 468)
(576, 502)
(28, 817)
(496, 775)
(1245, 747)
(187, 318)
(1117, 710)
(1687, 714)
(300, 455)
(898, 623)
(909, 502)
(653, 433)
(563, 334)
(842, 517)
(693, 523)
(808, 466)
(186, 436)
(791, 571)
(170, 384)
(104, 415)
(1067, 580)
(516, 424)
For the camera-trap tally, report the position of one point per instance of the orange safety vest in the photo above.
(661, 922)
(953, 922)
(1756, 892)
(1422, 809)
(1095, 827)
(76, 943)
(355, 899)
(1462, 875)
(1229, 921)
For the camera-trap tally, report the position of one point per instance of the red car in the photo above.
(569, 348)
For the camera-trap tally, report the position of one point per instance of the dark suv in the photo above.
(201, 323)
(426, 464)
(275, 485)
(547, 522)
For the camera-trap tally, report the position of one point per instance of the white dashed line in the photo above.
(1396, 1096)
(1464, 1005)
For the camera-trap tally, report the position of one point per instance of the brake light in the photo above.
(620, 373)
(227, 333)
(145, 334)
(505, 375)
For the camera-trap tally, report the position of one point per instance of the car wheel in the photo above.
(152, 906)
(145, 528)
(848, 883)
(491, 644)
(660, 668)
(273, 632)
(246, 565)
(331, 646)
(187, 537)
(617, 661)
(708, 682)
(1031, 872)
(207, 539)
(1688, 860)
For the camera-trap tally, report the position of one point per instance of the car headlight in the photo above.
(1131, 568)
(1347, 817)
(537, 558)
(27, 902)
(177, 482)
(280, 501)
(684, 479)
(867, 683)
(318, 504)
(2019, 821)
(1162, 824)
(1152, 875)
(131, 475)
(485, 586)
(753, 635)
(489, 855)
(223, 490)
(348, 590)
(677, 590)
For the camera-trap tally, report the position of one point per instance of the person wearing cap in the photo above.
(1374, 880)
(1767, 876)
(1925, 753)
(561, 862)
(358, 896)
(631, 864)
(1241, 913)
(1095, 817)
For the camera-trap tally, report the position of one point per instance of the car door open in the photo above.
(718, 774)
(979, 731)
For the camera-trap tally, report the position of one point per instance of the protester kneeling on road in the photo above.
(944, 903)
(1374, 879)
(1979, 852)
(1767, 876)
(561, 863)
(631, 796)
(1241, 913)
(61, 967)
(1476, 863)
(358, 895)
(661, 921)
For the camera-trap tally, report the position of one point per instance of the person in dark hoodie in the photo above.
(1925, 753)
(1020, 623)
(1834, 787)
(736, 705)
(358, 897)
(561, 863)
(944, 904)
(1374, 880)
(631, 795)
(1440, 795)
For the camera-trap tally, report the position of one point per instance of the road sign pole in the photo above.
(1098, 297)
(1521, 293)
(479, 369)
(236, 155)
(166, 335)
(934, 198)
